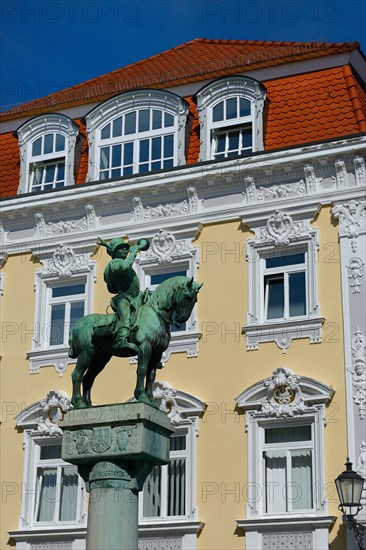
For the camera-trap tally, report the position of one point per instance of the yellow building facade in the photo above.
(265, 383)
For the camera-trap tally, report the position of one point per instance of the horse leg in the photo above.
(144, 354)
(96, 366)
(154, 363)
(82, 364)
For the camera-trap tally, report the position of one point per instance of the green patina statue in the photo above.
(139, 325)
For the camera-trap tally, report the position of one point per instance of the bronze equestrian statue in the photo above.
(140, 324)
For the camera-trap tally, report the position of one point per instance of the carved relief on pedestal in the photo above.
(358, 351)
(101, 440)
(352, 220)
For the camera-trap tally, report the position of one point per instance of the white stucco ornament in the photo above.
(54, 406)
(284, 397)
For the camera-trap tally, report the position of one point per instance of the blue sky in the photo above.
(47, 45)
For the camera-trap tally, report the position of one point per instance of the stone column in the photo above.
(115, 448)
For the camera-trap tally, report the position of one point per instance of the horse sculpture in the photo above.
(171, 303)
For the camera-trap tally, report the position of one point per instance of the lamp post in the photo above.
(349, 486)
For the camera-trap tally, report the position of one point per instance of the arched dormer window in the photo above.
(47, 152)
(136, 132)
(231, 117)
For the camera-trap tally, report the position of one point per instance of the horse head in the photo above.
(177, 297)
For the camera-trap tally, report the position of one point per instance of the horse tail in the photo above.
(72, 352)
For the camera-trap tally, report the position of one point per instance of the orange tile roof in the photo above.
(300, 109)
(9, 165)
(189, 62)
(311, 107)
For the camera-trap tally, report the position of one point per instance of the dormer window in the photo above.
(47, 147)
(231, 117)
(136, 132)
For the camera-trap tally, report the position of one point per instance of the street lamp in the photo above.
(349, 486)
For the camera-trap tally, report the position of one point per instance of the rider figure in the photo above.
(123, 282)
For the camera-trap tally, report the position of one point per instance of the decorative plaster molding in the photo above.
(283, 332)
(352, 220)
(310, 179)
(57, 358)
(355, 273)
(288, 539)
(143, 213)
(54, 406)
(360, 172)
(65, 262)
(281, 229)
(88, 222)
(361, 461)
(281, 191)
(164, 248)
(3, 239)
(358, 352)
(284, 396)
(165, 395)
(341, 173)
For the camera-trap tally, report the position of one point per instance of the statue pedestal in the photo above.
(115, 448)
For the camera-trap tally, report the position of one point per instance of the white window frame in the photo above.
(282, 330)
(184, 411)
(167, 254)
(226, 88)
(306, 406)
(39, 430)
(37, 127)
(42, 354)
(132, 101)
(68, 299)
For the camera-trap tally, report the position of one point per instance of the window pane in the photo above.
(244, 107)
(144, 167)
(231, 108)
(117, 127)
(36, 147)
(104, 158)
(218, 112)
(168, 163)
(127, 153)
(47, 496)
(57, 324)
(76, 312)
(130, 123)
(48, 143)
(156, 148)
(275, 296)
(50, 451)
(144, 150)
(275, 481)
(157, 119)
(69, 491)
(38, 172)
(286, 435)
(116, 155)
(61, 172)
(297, 293)
(220, 143)
(60, 142)
(152, 494)
(68, 290)
(169, 120)
(291, 259)
(106, 132)
(127, 171)
(234, 141)
(156, 165)
(177, 487)
(50, 173)
(178, 443)
(158, 278)
(247, 139)
(144, 120)
(168, 146)
(301, 480)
